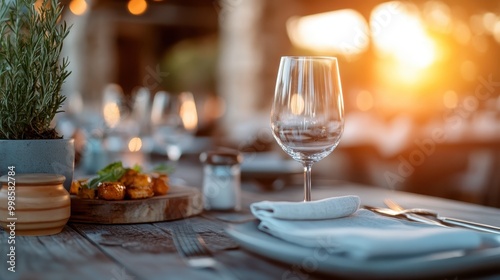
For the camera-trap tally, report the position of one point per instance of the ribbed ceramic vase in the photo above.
(53, 156)
(42, 206)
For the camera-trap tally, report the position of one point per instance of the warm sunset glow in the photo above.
(450, 99)
(496, 31)
(364, 100)
(480, 43)
(137, 7)
(461, 32)
(476, 24)
(342, 32)
(398, 32)
(489, 21)
(402, 74)
(135, 144)
(468, 70)
(187, 112)
(78, 7)
(297, 104)
(438, 15)
(111, 114)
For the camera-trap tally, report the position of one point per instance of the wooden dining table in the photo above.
(147, 250)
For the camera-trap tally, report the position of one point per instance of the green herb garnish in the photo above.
(163, 168)
(137, 168)
(111, 173)
(114, 171)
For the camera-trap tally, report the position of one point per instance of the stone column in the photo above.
(252, 39)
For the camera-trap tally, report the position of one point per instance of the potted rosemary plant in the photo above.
(31, 76)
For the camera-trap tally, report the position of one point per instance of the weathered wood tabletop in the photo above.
(147, 251)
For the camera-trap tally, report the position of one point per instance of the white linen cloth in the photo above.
(359, 234)
(329, 208)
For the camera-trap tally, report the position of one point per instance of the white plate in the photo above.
(315, 260)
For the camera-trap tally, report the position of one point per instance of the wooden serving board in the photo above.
(178, 203)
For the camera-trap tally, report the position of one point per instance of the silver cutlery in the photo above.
(194, 250)
(406, 214)
(445, 220)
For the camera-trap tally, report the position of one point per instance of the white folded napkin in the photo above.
(329, 208)
(359, 235)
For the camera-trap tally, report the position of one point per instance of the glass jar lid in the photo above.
(225, 157)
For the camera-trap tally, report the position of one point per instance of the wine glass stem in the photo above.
(307, 181)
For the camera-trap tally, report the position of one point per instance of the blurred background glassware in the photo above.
(116, 122)
(174, 121)
(104, 128)
(140, 142)
(141, 106)
(307, 116)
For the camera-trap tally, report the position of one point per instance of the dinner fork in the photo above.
(195, 252)
(193, 248)
(409, 215)
(447, 221)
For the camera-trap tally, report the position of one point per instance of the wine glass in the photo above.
(307, 116)
(174, 120)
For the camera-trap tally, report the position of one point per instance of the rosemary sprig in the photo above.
(31, 73)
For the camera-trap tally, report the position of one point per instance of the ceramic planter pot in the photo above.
(54, 156)
(41, 205)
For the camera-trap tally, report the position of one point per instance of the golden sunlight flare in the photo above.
(78, 7)
(398, 32)
(297, 104)
(187, 112)
(438, 15)
(489, 20)
(468, 70)
(137, 7)
(496, 31)
(461, 32)
(343, 32)
(450, 99)
(364, 100)
(135, 144)
(111, 114)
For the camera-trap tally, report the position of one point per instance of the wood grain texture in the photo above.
(145, 250)
(179, 202)
(66, 255)
(212, 232)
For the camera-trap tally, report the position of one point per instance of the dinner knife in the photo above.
(469, 224)
(445, 220)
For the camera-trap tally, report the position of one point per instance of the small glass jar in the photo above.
(221, 180)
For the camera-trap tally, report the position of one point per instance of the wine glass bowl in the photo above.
(312, 143)
(307, 116)
(174, 121)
